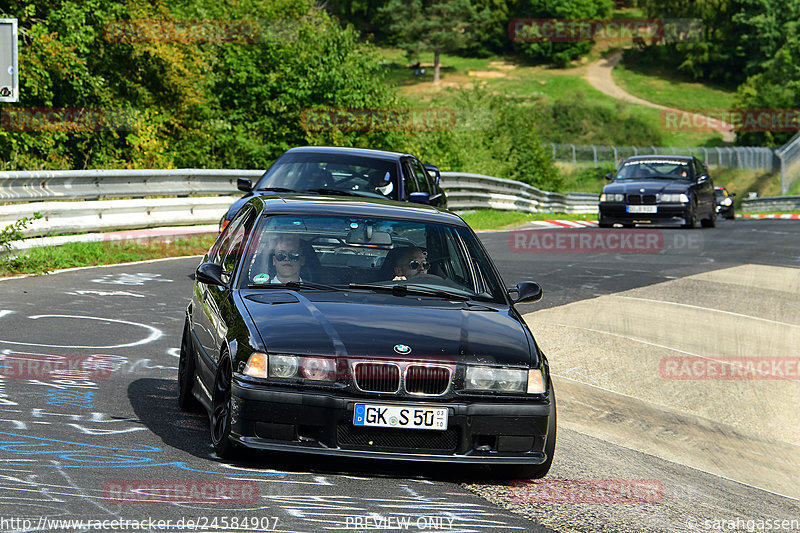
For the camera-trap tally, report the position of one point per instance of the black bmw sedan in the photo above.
(335, 170)
(369, 329)
(659, 190)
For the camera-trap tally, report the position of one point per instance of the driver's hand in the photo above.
(399, 278)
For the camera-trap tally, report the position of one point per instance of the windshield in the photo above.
(371, 254)
(655, 168)
(357, 175)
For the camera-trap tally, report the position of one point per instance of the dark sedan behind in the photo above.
(659, 190)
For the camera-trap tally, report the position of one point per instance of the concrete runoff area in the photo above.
(610, 357)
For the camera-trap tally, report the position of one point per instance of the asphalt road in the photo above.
(688, 454)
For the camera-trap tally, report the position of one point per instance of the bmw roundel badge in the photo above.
(402, 349)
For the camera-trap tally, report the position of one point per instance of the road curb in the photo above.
(771, 217)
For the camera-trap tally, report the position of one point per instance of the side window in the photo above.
(410, 178)
(231, 247)
(423, 178)
(699, 168)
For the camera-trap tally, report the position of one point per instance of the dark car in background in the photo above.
(659, 190)
(349, 172)
(725, 202)
(349, 358)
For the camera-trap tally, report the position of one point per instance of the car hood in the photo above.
(650, 186)
(371, 325)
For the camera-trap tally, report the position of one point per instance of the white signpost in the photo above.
(9, 75)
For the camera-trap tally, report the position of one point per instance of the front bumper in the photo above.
(665, 215)
(321, 422)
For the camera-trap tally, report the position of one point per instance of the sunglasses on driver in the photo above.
(293, 256)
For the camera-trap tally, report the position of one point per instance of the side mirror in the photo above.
(436, 200)
(527, 291)
(210, 274)
(433, 170)
(702, 178)
(610, 177)
(732, 194)
(244, 184)
(419, 197)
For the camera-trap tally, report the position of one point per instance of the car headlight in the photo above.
(681, 198)
(318, 368)
(283, 366)
(487, 378)
(727, 201)
(612, 197)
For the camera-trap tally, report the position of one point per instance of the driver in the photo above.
(410, 262)
(288, 259)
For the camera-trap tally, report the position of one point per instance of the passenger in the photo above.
(410, 262)
(288, 259)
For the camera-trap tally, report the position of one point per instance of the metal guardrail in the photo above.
(32, 192)
(742, 157)
(476, 191)
(789, 157)
(771, 203)
(108, 215)
(27, 186)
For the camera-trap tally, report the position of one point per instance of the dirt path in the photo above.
(598, 74)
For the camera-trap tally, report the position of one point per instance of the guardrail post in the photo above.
(574, 156)
(594, 152)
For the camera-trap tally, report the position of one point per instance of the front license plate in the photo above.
(642, 209)
(398, 416)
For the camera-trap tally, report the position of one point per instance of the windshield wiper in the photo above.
(276, 189)
(295, 285)
(402, 290)
(338, 192)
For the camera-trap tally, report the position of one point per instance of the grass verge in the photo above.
(80, 254)
(490, 219)
(664, 86)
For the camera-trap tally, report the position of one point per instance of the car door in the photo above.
(214, 303)
(705, 188)
(422, 181)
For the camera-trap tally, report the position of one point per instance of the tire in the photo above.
(692, 215)
(711, 221)
(186, 373)
(534, 471)
(220, 417)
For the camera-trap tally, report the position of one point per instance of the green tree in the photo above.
(559, 53)
(739, 36)
(776, 88)
(432, 26)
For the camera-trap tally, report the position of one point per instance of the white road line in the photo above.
(708, 309)
(642, 341)
(682, 465)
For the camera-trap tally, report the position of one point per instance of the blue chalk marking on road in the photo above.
(86, 458)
